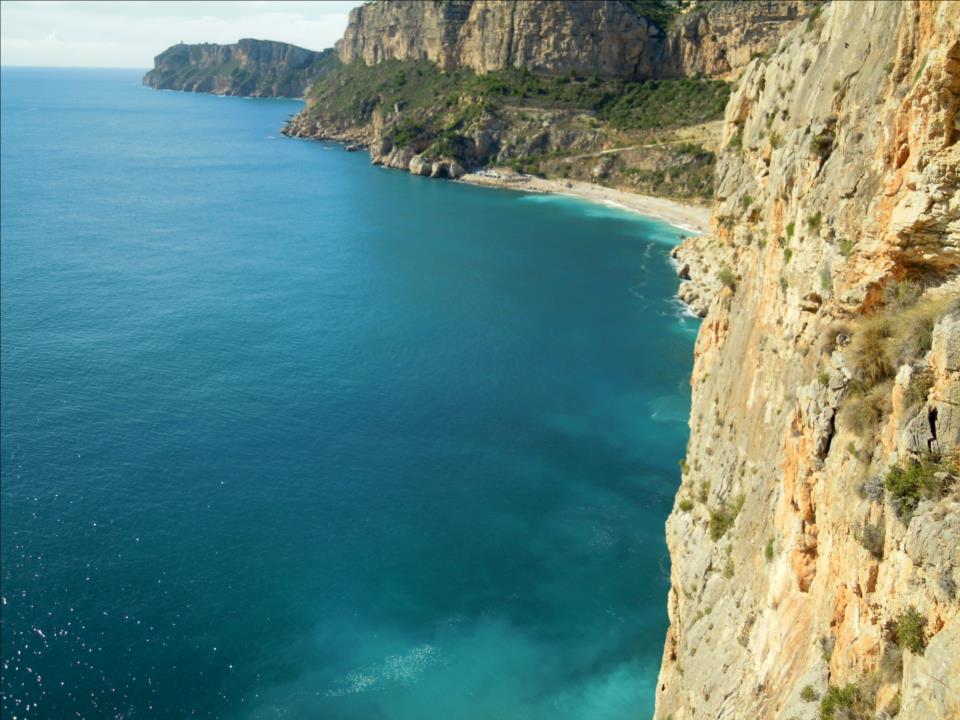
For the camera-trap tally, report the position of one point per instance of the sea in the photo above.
(287, 435)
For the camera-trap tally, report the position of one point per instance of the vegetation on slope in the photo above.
(440, 112)
(353, 91)
(925, 478)
(659, 12)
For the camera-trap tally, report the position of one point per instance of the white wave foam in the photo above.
(680, 310)
(392, 670)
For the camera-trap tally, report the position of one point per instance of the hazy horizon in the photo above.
(130, 34)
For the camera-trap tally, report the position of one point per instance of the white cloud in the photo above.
(130, 34)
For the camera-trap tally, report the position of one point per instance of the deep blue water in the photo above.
(286, 435)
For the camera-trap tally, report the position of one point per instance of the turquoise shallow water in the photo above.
(285, 435)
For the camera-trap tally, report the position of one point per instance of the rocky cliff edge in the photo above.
(815, 539)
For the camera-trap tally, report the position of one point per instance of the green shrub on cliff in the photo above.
(729, 568)
(704, 490)
(925, 478)
(812, 17)
(659, 12)
(821, 145)
(448, 144)
(720, 522)
(403, 135)
(849, 702)
(727, 278)
(910, 631)
(826, 279)
(723, 517)
(663, 103)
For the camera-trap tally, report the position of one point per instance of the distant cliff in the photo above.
(621, 92)
(626, 39)
(254, 68)
(717, 38)
(603, 37)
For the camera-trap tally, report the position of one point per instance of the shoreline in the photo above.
(690, 218)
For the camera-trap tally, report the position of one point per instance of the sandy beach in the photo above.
(687, 217)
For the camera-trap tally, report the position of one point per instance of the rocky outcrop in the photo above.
(404, 31)
(697, 290)
(609, 38)
(801, 569)
(718, 38)
(254, 68)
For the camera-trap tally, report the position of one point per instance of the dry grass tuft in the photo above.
(902, 333)
(868, 353)
(864, 409)
(913, 329)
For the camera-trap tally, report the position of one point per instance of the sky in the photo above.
(130, 34)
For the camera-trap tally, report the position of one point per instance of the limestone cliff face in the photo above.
(254, 68)
(609, 38)
(718, 38)
(791, 561)
(605, 37)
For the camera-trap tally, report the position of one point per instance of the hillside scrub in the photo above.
(353, 91)
(850, 702)
(659, 12)
(723, 517)
(551, 125)
(925, 478)
(422, 107)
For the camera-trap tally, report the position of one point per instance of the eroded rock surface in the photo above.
(837, 188)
